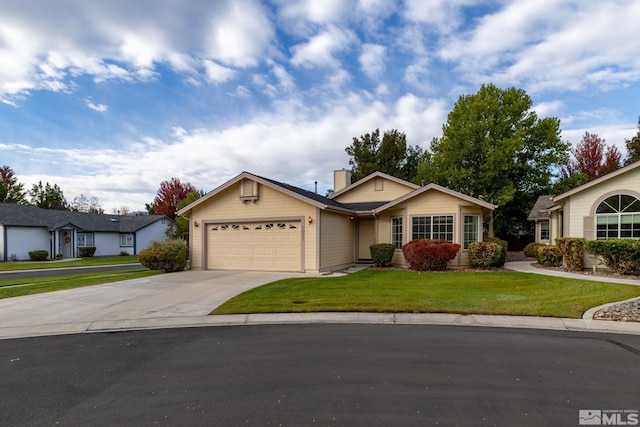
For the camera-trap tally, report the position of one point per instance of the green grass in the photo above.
(506, 293)
(49, 284)
(83, 262)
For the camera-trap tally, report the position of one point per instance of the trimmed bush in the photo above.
(382, 253)
(572, 250)
(429, 254)
(622, 256)
(87, 251)
(485, 254)
(503, 254)
(40, 255)
(169, 256)
(531, 250)
(549, 256)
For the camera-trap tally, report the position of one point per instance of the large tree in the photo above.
(181, 230)
(390, 155)
(168, 196)
(11, 191)
(593, 158)
(633, 147)
(83, 203)
(494, 147)
(48, 197)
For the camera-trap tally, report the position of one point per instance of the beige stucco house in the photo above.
(605, 208)
(255, 223)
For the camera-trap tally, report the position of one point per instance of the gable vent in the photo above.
(248, 190)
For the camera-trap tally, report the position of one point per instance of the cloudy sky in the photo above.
(110, 98)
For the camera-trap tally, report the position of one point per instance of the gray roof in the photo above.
(32, 216)
(543, 204)
(364, 206)
(306, 193)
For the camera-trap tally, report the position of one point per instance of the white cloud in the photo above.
(443, 15)
(101, 108)
(216, 73)
(372, 59)
(321, 49)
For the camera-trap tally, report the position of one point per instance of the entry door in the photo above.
(366, 238)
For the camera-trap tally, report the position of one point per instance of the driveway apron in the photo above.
(183, 294)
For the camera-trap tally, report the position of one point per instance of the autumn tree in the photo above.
(181, 229)
(495, 147)
(168, 196)
(593, 158)
(390, 155)
(48, 197)
(11, 191)
(83, 203)
(633, 147)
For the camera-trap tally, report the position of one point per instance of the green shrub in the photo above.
(531, 250)
(124, 253)
(170, 255)
(504, 245)
(621, 256)
(484, 254)
(572, 250)
(382, 253)
(549, 256)
(429, 254)
(87, 251)
(40, 255)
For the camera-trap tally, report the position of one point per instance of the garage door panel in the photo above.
(270, 246)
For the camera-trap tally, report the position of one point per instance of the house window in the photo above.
(126, 239)
(544, 230)
(471, 229)
(85, 239)
(618, 217)
(396, 232)
(432, 227)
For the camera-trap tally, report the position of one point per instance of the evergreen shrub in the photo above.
(429, 254)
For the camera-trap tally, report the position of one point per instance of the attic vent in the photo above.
(378, 184)
(248, 190)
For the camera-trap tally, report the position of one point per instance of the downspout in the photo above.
(5, 243)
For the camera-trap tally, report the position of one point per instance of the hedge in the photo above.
(550, 256)
(485, 254)
(503, 255)
(622, 256)
(572, 250)
(382, 253)
(87, 251)
(531, 250)
(170, 255)
(40, 255)
(429, 254)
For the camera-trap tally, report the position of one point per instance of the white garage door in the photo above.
(266, 246)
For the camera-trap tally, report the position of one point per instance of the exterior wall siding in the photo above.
(106, 243)
(582, 203)
(22, 240)
(366, 192)
(270, 204)
(336, 240)
(144, 236)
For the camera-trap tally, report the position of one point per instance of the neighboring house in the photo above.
(255, 223)
(26, 228)
(605, 208)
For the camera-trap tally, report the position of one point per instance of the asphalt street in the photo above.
(330, 375)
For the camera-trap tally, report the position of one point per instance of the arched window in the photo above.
(618, 217)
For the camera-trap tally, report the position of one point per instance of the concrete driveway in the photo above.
(174, 299)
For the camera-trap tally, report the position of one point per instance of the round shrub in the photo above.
(382, 253)
(169, 256)
(531, 250)
(40, 255)
(549, 256)
(87, 251)
(504, 245)
(622, 256)
(429, 254)
(485, 254)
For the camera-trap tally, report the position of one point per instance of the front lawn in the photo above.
(82, 262)
(16, 288)
(509, 293)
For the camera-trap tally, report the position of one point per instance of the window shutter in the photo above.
(587, 228)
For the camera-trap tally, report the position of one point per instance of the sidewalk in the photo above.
(187, 318)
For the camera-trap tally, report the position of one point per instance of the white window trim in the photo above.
(401, 231)
(453, 223)
(464, 232)
(123, 240)
(93, 240)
